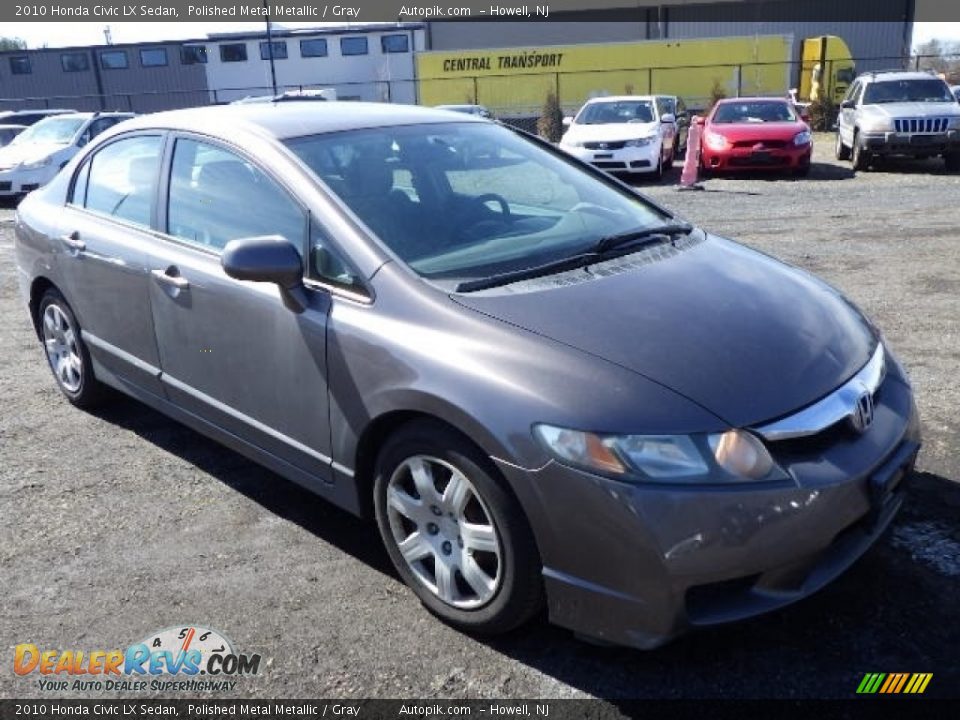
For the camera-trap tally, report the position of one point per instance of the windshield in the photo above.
(463, 201)
(624, 111)
(754, 112)
(58, 131)
(891, 91)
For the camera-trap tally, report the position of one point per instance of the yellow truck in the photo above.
(516, 81)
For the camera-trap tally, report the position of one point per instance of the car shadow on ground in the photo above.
(894, 611)
(281, 497)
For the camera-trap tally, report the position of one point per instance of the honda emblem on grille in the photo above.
(862, 416)
(603, 146)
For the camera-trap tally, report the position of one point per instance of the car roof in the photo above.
(294, 118)
(899, 75)
(621, 98)
(90, 115)
(730, 101)
(36, 111)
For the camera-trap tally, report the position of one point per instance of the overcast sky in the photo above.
(91, 33)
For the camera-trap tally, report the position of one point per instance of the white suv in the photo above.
(911, 114)
(36, 155)
(623, 134)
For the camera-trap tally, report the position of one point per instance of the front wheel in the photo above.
(860, 156)
(842, 152)
(455, 534)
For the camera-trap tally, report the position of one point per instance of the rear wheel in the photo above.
(66, 352)
(842, 152)
(455, 534)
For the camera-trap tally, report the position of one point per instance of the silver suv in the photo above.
(911, 114)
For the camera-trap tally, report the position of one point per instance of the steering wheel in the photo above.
(482, 201)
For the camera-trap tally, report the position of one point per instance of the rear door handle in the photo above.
(73, 241)
(164, 276)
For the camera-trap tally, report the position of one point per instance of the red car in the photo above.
(755, 134)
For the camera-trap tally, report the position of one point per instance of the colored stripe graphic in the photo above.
(894, 683)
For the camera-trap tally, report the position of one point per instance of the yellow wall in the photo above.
(520, 78)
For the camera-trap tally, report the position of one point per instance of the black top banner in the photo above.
(475, 10)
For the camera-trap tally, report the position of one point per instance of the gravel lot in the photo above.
(121, 523)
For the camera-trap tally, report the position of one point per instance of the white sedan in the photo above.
(624, 134)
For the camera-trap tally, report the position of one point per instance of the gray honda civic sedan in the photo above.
(545, 388)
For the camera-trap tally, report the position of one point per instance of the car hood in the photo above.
(912, 109)
(611, 131)
(746, 337)
(758, 131)
(29, 152)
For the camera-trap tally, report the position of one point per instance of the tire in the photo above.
(952, 161)
(859, 156)
(66, 353)
(668, 165)
(658, 173)
(842, 152)
(508, 589)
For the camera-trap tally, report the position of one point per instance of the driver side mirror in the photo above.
(567, 121)
(268, 258)
(847, 105)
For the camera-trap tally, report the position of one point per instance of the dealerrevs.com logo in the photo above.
(182, 653)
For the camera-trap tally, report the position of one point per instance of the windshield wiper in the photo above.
(648, 235)
(554, 266)
(603, 246)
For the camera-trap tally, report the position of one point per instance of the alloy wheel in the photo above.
(60, 344)
(444, 531)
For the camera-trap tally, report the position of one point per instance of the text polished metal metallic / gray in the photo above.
(853, 399)
(542, 387)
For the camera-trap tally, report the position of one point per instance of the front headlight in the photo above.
(877, 125)
(714, 141)
(640, 142)
(802, 138)
(954, 123)
(36, 164)
(730, 456)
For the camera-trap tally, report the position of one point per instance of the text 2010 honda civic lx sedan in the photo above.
(544, 387)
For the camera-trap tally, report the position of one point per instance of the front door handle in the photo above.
(73, 241)
(176, 281)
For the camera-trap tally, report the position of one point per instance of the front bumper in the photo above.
(625, 160)
(17, 181)
(638, 564)
(740, 159)
(894, 143)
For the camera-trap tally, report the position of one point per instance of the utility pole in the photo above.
(273, 69)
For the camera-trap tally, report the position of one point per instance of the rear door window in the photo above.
(120, 180)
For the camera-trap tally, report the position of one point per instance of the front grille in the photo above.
(921, 125)
(613, 145)
(767, 144)
(5, 186)
(770, 161)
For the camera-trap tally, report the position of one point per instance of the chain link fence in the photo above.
(519, 98)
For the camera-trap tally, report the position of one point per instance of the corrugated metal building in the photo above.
(144, 77)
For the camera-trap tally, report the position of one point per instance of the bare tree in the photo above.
(940, 57)
(12, 43)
